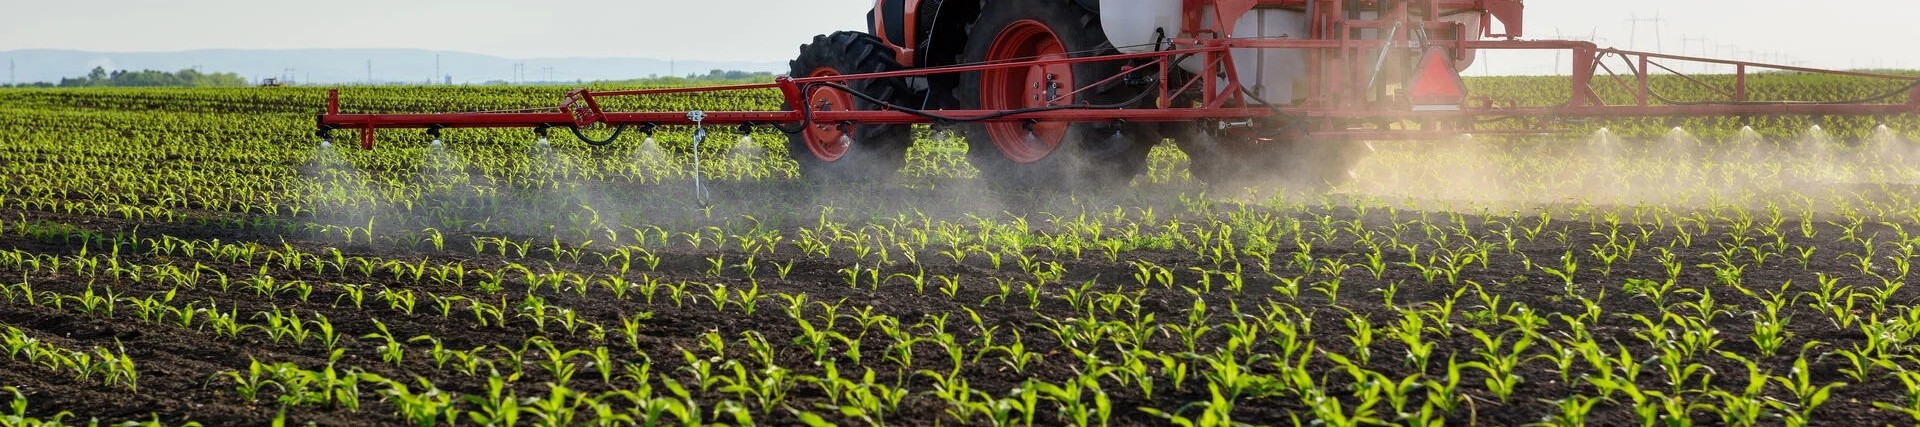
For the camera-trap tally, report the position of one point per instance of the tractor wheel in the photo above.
(1048, 156)
(829, 153)
(1230, 165)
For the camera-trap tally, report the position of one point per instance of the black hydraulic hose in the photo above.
(617, 130)
(807, 113)
(984, 117)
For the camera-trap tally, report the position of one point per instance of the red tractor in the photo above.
(932, 34)
(1076, 92)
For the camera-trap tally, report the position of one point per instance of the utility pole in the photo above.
(1686, 48)
(1634, 21)
(1558, 52)
(1593, 36)
(1687, 43)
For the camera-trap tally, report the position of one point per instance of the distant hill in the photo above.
(336, 66)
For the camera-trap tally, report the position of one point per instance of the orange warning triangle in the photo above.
(1436, 84)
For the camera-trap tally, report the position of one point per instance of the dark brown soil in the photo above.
(182, 369)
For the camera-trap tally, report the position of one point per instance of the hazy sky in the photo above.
(1828, 33)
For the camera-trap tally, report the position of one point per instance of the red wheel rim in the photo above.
(824, 139)
(1026, 87)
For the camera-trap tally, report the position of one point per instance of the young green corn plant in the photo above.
(427, 408)
(1500, 361)
(1799, 383)
(1862, 362)
(1837, 302)
(391, 351)
(1569, 265)
(227, 324)
(285, 325)
(499, 406)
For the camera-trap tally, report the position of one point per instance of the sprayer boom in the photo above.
(1233, 82)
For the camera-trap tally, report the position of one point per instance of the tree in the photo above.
(150, 78)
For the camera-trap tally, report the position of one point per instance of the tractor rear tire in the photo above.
(829, 153)
(1048, 156)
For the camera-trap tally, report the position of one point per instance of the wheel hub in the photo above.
(828, 141)
(1028, 87)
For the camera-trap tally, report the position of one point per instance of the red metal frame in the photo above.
(1339, 102)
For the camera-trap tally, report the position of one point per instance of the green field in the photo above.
(194, 256)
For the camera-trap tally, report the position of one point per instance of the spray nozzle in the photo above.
(746, 134)
(648, 130)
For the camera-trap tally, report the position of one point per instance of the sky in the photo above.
(1828, 33)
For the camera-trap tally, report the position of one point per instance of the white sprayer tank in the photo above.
(1134, 26)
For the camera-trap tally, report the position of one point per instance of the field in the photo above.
(183, 256)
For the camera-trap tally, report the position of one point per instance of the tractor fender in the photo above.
(905, 24)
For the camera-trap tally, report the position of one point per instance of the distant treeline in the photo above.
(715, 76)
(100, 77)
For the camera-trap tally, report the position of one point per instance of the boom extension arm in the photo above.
(1218, 99)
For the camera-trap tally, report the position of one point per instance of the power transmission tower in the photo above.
(1634, 21)
(1593, 36)
(436, 67)
(1686, 48)
(11, 80)
(369, 72)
